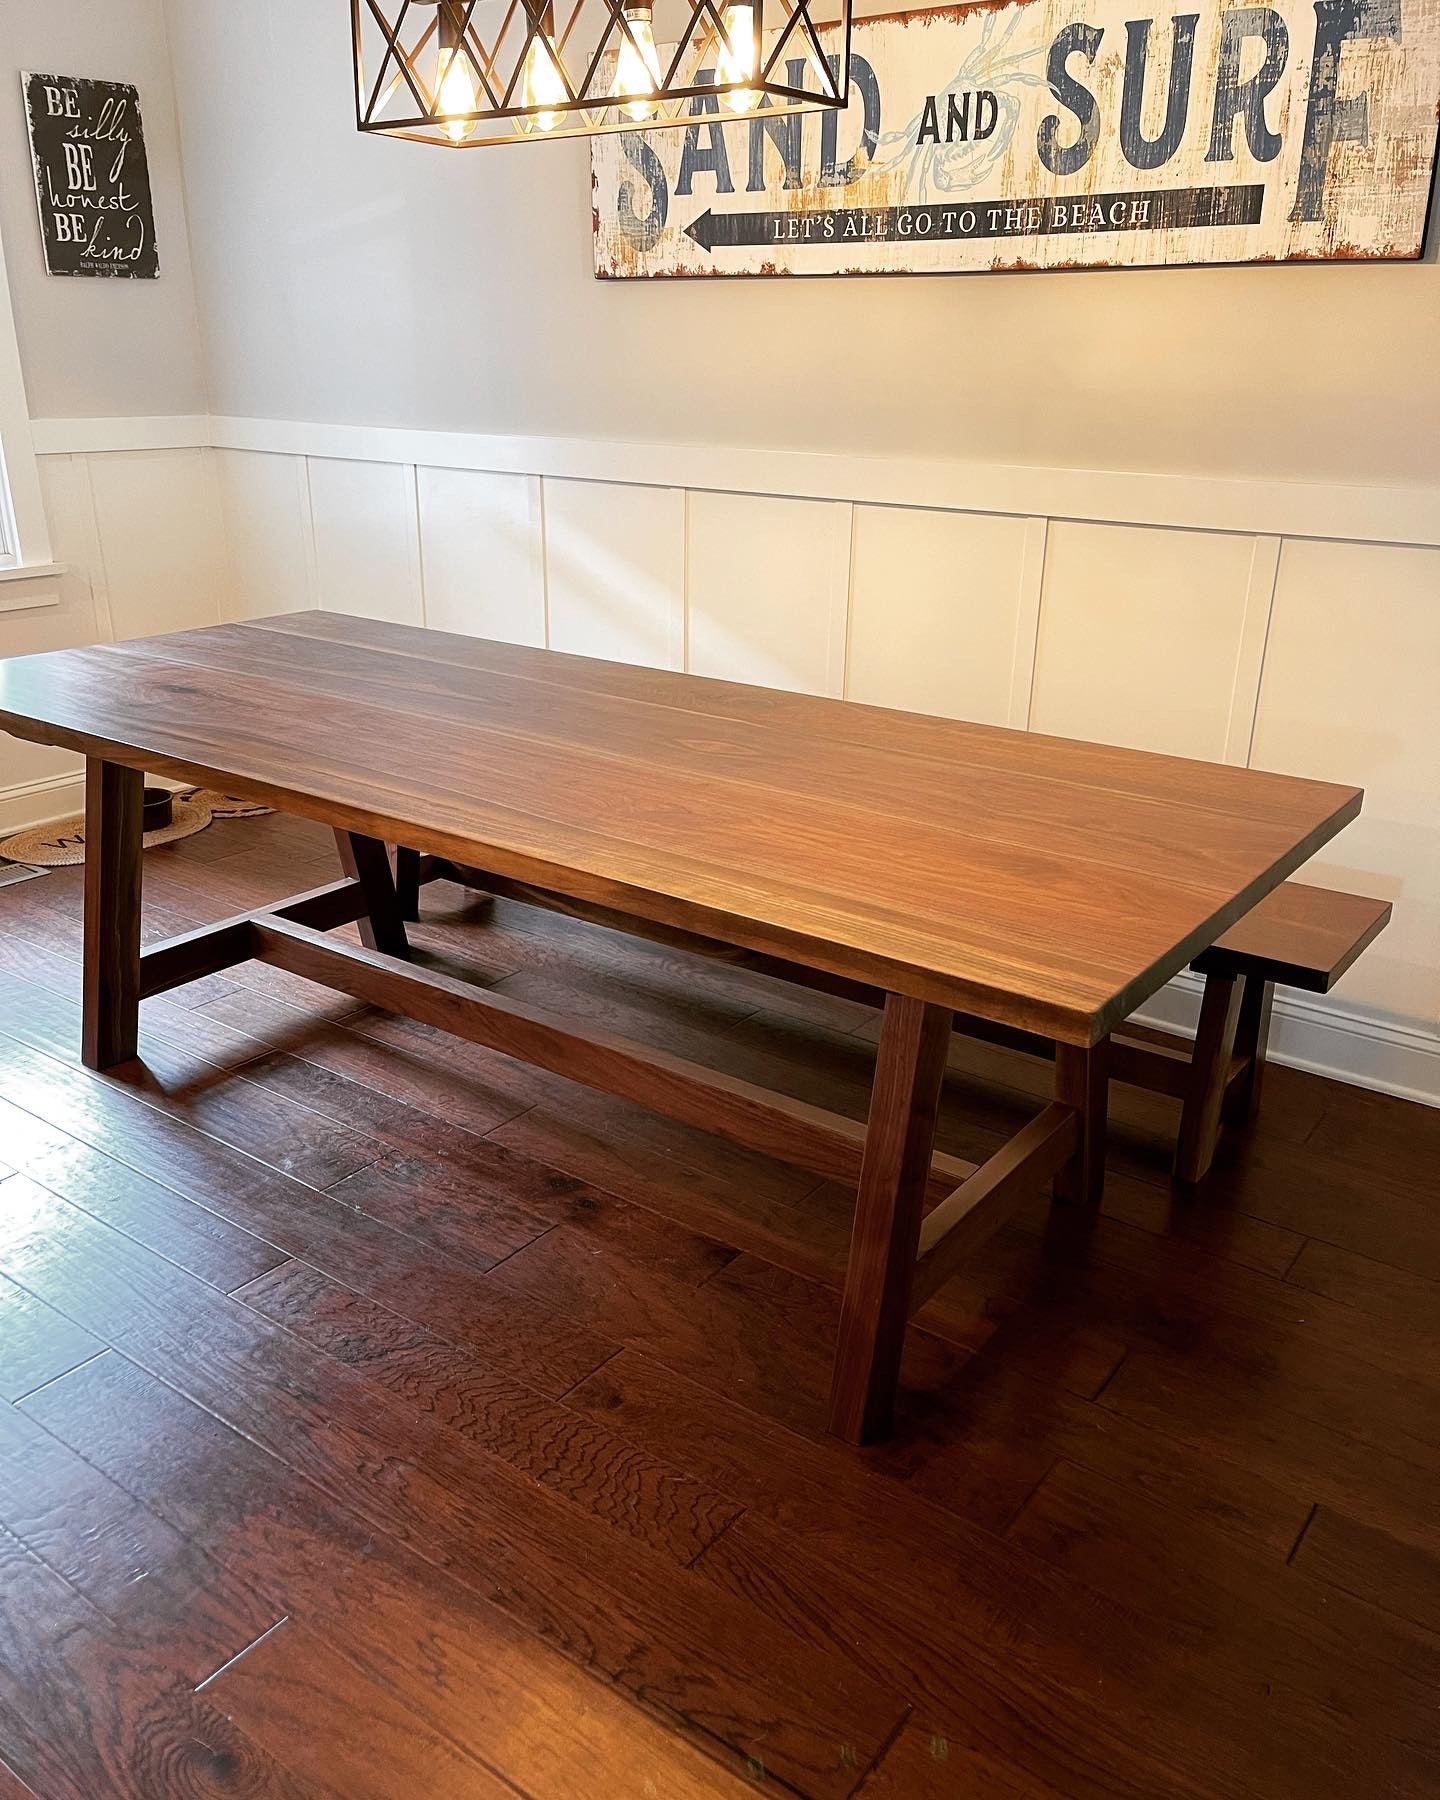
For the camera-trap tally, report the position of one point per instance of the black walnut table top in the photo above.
(1031, 880)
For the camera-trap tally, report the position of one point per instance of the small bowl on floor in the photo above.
(159, 808)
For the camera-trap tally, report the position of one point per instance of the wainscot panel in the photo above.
(1140, 633)
(158, 517)
(483, 554)
(367, 539)
(767, 584)
(1351, 679)
(615, 571)
(940, 609)
(265, 501)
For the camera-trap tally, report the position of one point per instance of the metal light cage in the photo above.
(406, 50)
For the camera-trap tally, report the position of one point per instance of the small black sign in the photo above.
(91, 177)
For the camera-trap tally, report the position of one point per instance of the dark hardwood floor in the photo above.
(381, 1418)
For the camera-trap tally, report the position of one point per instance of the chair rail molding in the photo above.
(1396, 514)
(94, 437)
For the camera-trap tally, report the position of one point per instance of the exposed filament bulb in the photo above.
(637, 70)
(543, 84)
(456, 93)
(737, 56)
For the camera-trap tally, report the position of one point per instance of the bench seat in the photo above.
(1303, 937)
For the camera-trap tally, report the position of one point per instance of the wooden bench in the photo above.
(1299, 936)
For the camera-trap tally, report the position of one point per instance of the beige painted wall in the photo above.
(360, 280)
(94, 348)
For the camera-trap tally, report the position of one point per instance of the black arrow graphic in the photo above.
(1164, 209)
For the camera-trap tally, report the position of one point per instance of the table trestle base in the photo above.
(919, 1211)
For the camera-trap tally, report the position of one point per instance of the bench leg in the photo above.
(366, 860)
(114, 843)
(899, 1142)
(1252, 1040)
(1082, 1080)
(405, 867)
(1209, 1078)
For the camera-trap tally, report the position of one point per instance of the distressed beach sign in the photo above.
(1056, 134)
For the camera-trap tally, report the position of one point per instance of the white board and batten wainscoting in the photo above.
(1293, 626)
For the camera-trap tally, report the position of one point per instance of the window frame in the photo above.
(25, 547)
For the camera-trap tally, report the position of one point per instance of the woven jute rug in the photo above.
(61, 844)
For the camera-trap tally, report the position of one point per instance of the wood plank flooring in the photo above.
(381, 1418)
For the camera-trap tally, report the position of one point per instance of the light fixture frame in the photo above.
(406, 34)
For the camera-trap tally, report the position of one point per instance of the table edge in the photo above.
(1052, 1019)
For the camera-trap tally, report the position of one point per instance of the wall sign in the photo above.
(1056, 134)
(92, 179)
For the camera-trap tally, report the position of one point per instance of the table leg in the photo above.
(1209, 1078)
(405, 867)
(894, 1170)
(366, 860)
(1082, 1080)
(114, 842)
(1252, 1041)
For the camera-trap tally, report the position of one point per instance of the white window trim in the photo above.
(22, 505)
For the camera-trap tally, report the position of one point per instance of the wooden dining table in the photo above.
(938, 866)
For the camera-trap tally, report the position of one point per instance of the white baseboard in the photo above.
(1325, 1038)
(39, 802)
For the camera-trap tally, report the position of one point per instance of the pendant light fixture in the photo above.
(465, 72)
